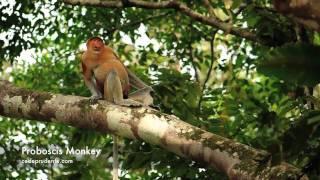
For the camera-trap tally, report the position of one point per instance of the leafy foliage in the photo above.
(297, 64)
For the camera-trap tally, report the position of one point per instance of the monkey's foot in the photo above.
(94, 98)
(129, 103)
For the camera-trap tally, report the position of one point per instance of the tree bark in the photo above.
(177, 5)
(236, 160)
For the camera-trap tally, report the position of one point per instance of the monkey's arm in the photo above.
(91, 83)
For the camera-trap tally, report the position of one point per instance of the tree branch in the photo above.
(207, 3)
(236, 160)
(138, 22)
(209, 71)
(172, 4)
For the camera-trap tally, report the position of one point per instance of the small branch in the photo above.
(212, 60)
(209, 7)
(209, 71)
(173, 4)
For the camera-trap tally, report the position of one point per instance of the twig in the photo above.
(209, 71)
(210, 9)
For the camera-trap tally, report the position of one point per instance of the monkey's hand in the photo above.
(129, 103)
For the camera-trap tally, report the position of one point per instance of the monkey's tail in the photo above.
(115, 164)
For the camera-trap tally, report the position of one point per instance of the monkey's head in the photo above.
(95, 44)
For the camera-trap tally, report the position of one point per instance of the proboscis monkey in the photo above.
(107, 78)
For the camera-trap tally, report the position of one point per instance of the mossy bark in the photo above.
(237, 160)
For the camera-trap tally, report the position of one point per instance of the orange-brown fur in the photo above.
(100, 64)
(106, 76)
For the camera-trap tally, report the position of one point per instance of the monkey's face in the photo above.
(95, 44)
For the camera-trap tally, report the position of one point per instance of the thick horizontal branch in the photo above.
(236, 160)
(172, 4)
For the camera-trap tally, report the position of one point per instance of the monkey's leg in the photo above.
(113, 91)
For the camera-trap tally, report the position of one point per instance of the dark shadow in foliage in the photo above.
(299, 140)
(296, 63)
